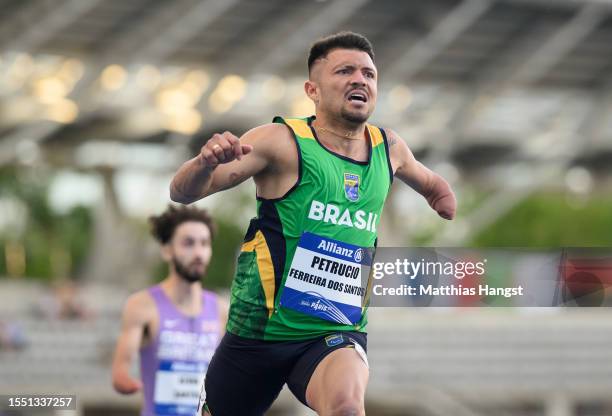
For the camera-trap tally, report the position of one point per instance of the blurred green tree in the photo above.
(54, 244)
(553, 219)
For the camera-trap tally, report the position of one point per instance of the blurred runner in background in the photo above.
(175, 325)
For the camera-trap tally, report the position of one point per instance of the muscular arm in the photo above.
(432, 186)
(224, 162)
(134, 320)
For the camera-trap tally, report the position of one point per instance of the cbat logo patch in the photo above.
(351, 186)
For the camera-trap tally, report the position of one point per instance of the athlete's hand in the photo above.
(223, 148)
(127, 385)
(445, 205)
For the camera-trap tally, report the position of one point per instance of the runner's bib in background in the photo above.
(325, 279)
(172, 367)
(177, 387)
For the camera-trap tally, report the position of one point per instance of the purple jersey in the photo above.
(172, 367)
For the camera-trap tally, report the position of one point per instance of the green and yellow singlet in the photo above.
(298, 274)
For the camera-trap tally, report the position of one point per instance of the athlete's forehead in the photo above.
(345, 57)
(192, 229)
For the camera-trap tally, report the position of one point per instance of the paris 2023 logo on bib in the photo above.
(351, 186)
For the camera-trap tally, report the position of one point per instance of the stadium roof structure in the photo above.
(477, 82)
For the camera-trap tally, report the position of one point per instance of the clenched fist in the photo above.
(223, 148)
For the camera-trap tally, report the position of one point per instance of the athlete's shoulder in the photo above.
(140, 306)
(267, 138)
(267, 132)
(275, 143)
(391, 134)
(298, 126)
(395, 142)
(209, 294)
(402, 158)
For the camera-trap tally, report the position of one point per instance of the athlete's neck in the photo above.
(339, 131)
(181, 292)
(332, 135)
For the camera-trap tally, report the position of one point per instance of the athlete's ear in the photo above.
(312, 91)
(166, 252)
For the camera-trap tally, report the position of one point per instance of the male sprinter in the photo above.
(296, 313)
(176, 324)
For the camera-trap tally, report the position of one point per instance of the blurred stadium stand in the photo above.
(423, 361)
(511, 96)
(490, 363)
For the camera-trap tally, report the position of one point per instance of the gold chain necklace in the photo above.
(347, 136)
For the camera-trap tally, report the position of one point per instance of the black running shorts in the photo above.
(246, 375)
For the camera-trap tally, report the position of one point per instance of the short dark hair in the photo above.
(340, 40)
(164, 225)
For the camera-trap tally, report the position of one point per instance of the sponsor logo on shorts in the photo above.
(332, 340)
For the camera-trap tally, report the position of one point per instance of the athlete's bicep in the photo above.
(133, 323)
(138, 313)
(405, 166)
(228, 175)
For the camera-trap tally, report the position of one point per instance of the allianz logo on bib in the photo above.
(331, 213)
(332, 247)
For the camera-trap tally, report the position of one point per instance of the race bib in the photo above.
(177, 387)
(324, 279)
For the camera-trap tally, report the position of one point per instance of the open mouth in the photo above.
(358, 96)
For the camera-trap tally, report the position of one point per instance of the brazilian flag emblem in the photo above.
(351, 186)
